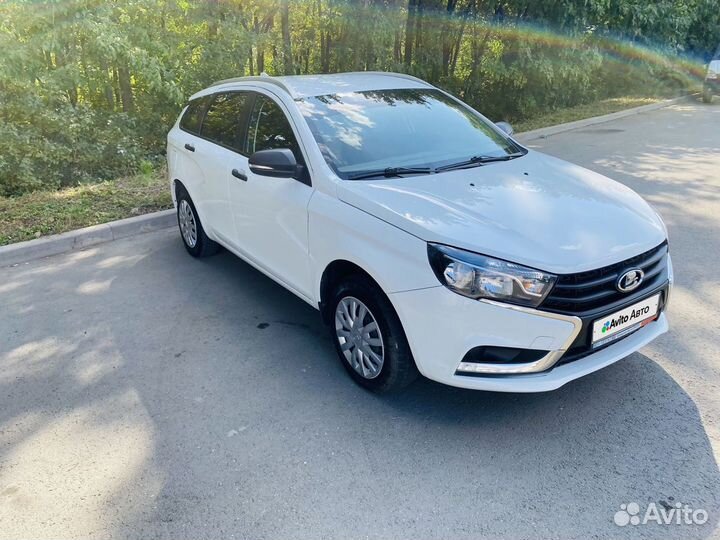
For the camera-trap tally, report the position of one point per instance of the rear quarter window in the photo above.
(193, 116)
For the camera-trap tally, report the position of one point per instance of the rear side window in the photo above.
(268, 128)
(192, 118)
(223, 119)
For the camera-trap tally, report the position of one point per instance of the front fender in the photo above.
(395, 259)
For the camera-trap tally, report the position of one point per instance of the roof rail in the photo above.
(262, 78)
(393, 74)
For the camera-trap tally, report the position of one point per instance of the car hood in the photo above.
(535, 210)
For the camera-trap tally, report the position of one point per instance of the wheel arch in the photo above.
(178, 184)
(333, 274)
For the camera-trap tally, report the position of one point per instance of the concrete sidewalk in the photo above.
(86, 237)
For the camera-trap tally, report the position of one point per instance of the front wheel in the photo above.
(192, 233)
(707, 95)
(369, 337)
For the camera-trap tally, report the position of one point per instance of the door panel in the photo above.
(184, 162)
(271, 218)
(214, 205)
(215, 148)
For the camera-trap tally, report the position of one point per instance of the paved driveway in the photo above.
(144, 394)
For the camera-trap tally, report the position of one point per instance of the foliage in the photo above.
(41, 213)
(580, 112)
(88, 88)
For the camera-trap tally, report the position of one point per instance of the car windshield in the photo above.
(360, 132)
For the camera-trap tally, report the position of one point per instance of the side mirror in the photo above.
(507, 128)
(277, 162)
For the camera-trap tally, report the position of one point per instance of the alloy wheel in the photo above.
(359, 337)
(188, 227)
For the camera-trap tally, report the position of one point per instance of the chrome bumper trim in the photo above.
(543, 364)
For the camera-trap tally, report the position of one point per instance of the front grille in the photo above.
(587, 292)
(582, 347)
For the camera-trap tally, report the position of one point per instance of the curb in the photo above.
(546, 132)
(83, 238)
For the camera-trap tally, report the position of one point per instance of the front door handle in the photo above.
(190, 147)
(238, 174)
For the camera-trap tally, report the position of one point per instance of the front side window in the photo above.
(268, 128)
(361, 131)
(223, 119)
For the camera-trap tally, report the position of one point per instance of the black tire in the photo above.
(398, 366)
(204, 246)
(707, 95)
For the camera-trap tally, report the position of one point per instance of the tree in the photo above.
(88, 88)
(287, 46)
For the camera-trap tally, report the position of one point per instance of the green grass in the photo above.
(50, 212)
(597, 108)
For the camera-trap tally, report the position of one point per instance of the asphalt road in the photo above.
(145, 394)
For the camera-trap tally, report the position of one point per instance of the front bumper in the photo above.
(443, 326)
(713, 85)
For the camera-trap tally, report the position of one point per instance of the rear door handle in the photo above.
(238, 174)
(190, 147)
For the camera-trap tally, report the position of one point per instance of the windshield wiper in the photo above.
(389, 172)
(477, 161)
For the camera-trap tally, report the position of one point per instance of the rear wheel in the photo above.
(192, 233)
(369, 337)
(707, 95)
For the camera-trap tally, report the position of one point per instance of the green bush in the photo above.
(50, 148)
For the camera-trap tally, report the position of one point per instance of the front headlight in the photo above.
(478, 276)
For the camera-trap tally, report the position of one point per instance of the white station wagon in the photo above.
(428, 238)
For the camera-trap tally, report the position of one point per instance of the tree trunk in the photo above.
(260, 59)
(287, 46)
(108, 86)
(126, 94)
(213, 18)
(322, 52)
(274, 54)
(61, 61)
(478, 51)
(259, 45)
(419, 26)
(446, 35)
(409, 31)
(455, 50)
(115, 88)
(397, 50)
(324, 39)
